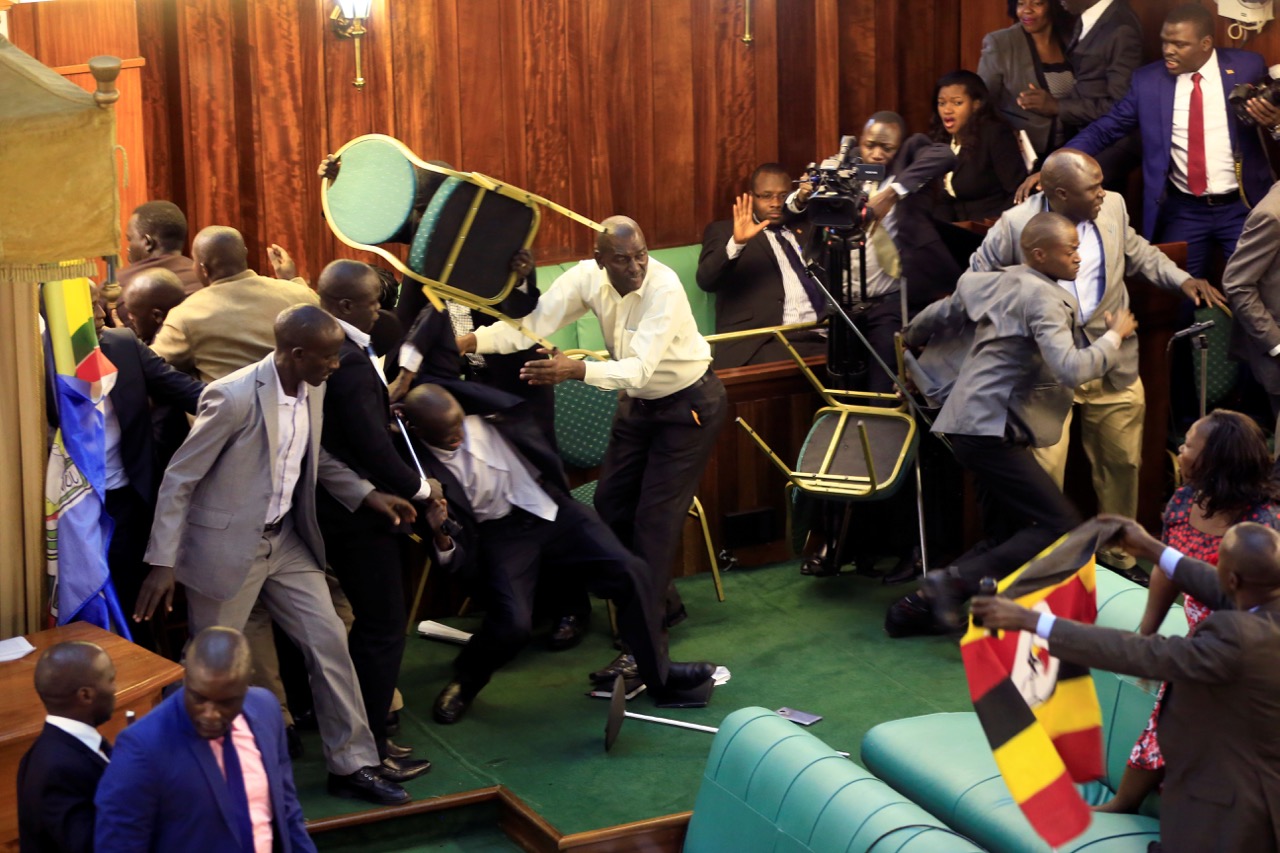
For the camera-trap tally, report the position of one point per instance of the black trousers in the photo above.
(1023, 511)
(132, 516)
(657, 452)
(368, 563)
(515, 549)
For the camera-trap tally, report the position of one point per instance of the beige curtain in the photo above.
(23, 454)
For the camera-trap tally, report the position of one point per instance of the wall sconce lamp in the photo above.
(347, 20)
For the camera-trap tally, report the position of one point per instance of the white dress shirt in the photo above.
(1090, 16)
(651, 335)
(1089, 285)
(1220, 164)
(116, 477)
(796, 307)
(361, 339)
(493, 475)
(294, 432)
(82, 732)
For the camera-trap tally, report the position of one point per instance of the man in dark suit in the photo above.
(507, 491)
(133, 464)
(148, 301)
(157, 234)
(207, 769)
(754, 265)
(1201, 167)
(58, 776)
(363, 550)
(1220, 718)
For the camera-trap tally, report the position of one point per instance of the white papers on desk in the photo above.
(437, 631)
(15, 648)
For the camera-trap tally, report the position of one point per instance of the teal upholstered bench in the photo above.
(771, 787)
(943, 762)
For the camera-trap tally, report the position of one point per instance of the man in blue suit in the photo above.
(1202, 168)
(208, 769)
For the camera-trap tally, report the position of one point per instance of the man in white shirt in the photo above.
(58, 776)
(672, 405)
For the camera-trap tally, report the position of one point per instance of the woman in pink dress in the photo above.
(1227, 478)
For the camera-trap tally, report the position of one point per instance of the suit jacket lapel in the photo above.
(1227, 71)
(203, 755)
(268, 401)
(1168, 85)
(260, 731)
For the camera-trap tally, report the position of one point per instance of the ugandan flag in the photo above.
(77, 527)
(1040, 714)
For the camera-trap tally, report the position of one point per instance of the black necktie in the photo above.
(811, 288)
(239, 797)
(1075, 35)
(105, 747)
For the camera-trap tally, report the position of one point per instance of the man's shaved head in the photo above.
(305, 326)
(219, 252)
(350, 291)
(77, 680)
(1050, 245)
(1072, 182)
(1045, 230)
(622, 253)
(221, 651)
(308, 341)
(148, 300)
(617, 228)
(435, 416)
(1063, 167)
(219, 666)
(1252, 551)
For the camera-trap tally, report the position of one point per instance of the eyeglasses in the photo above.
(771, 196)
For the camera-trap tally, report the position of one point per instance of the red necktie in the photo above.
(1197, 177)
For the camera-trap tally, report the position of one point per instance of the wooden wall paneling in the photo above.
(730, 149)
(482, 110)
(625, 75)
(427, 115)
(589, 185)
(978, 19)
(69, 32)
(672, 125)
(161, 101)
(859, 89)
(826, 71)
(764, 48)
(702, 73)
(798, 144)
(513, 70)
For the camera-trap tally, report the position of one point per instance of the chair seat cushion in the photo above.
(943, 763)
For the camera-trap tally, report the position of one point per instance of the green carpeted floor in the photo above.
(810, 643)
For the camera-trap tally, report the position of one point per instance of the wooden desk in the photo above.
(140, 675)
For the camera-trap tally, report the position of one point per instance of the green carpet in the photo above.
(810, 643)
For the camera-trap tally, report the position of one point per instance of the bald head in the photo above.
(434, 416)
(219, 667)
(1251, 551)
(308, 340)
(77, 680)
(219, 252)
(1072, 181)
(222, 652)
(350, 291)
(304, 326)
(622, 253)
(148, 300)
(1049, 245)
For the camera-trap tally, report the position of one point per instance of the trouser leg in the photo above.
(266, 660)
(132, 517)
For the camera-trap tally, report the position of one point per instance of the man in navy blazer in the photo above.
(58, 776)
(1191, 191)
(173, 785)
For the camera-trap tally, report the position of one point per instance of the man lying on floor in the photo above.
(506, 490)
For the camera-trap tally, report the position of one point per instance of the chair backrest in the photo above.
(584, 417)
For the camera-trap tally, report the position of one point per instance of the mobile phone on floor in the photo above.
(804, 718)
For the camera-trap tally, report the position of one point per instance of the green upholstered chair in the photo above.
(684, 261)
(771, 787)
(943, 761)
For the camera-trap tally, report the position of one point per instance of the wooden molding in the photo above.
(417, 807)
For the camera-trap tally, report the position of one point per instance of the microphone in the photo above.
(1193, 329)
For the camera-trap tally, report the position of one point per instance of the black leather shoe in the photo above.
(451, 704)
(682, 676)
(815, 563)
(395, 750)
(568, 633)
(393, 724)
(306, 720)
(945, 595)
(367, 783)
(675, 617)
(403, 769)
(293, 740)
(624, 665)
(911, 617)
(909, 568)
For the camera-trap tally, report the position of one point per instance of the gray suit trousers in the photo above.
(285, 575)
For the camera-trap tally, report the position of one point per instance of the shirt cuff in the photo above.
(1274, 351)
(484, 338)
(424, 491)
(444, 558)
(1114, 336)
(733, 248)
(1045, 625)
(1169, 559)
(898, 188)
(593, 372)
(793, 202)
(410, 358)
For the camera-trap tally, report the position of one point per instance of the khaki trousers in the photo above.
(1111, 432)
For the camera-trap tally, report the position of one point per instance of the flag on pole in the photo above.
(77, 527)
(1041, 715)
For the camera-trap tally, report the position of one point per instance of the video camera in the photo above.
(1268, 90)
(840, 196)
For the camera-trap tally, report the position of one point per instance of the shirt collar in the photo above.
(359, 338)
(82, 732)
(284, 399)
(1208, 71)
(1090, 16)
(237, 277)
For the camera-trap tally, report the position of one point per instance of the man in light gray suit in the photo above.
(236, 519)
(1012, 392)
(1113, 406)
(1252, 284)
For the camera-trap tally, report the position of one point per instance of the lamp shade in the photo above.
(355, 9)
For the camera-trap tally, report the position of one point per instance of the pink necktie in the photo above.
(1197, 177)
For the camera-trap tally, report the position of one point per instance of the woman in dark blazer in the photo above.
(1030, 54)
(989, 166)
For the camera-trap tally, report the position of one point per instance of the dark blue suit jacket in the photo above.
(163, 790)
(1148, 107)
(56, 783)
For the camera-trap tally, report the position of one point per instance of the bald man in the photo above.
(1220, 718)
(148, 301)
(227, 324)
(207, 769)
(1021, 350)
(236, 519)
(672, 404)
(58, 776)
(1113, 406)
(363, 551)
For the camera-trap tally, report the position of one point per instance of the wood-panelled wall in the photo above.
(654, 108)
